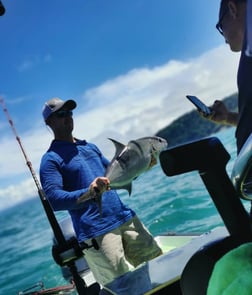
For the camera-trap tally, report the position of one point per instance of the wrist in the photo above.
(232, 118)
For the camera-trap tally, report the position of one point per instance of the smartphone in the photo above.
(199, 105)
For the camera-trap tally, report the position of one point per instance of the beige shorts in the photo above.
(121, 250)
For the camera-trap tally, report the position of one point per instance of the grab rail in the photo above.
(241, 175)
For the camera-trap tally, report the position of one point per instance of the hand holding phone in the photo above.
(199, 105)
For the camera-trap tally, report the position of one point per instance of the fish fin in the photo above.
(96, 196)
(98, 200)
(129, 189)
(119, 147)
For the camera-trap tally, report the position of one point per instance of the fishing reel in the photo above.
(71, 251)
(69, 255)
(73, 265)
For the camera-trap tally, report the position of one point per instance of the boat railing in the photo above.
(242, 171)
(39, 289)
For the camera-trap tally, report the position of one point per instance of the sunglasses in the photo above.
(63, 114)
(219, 24)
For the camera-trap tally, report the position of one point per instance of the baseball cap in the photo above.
(55, 104)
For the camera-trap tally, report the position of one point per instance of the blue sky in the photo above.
(128, 64)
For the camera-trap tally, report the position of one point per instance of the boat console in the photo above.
(209, 157)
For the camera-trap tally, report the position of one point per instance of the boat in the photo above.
(188, 259)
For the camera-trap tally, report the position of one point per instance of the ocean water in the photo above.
(165, 204)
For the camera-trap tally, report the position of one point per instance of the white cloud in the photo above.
(146, 100)
(133, 105)
(34, 61)
(13, 194)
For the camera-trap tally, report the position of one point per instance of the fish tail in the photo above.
(95, 195)
(84, 197)
(98, 199)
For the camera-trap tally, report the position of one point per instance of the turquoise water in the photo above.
(165, 204)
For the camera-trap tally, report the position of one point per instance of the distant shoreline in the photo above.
(191, 126)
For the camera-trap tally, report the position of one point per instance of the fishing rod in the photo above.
(71, 247)
(51, 217)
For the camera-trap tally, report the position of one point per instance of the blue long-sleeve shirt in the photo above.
(66, 171)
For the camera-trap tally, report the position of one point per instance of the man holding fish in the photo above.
(75, 176)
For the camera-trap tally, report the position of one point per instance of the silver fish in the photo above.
(133, 159)
(129, 161)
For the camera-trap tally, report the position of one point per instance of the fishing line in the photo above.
(47, 207)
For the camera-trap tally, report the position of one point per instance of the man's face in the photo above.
(231, 23)
(61, 121)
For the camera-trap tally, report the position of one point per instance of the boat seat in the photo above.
(77, 271)
(80, 263)
(197, 272)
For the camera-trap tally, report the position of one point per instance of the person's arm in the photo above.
(52, 184)
(55, 189)
(220, 114)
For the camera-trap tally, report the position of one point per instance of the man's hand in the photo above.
(100, 185)
(221, 114)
